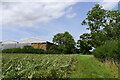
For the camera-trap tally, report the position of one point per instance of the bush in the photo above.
(29, 49)
(50, 52)
(38, 51)
(54, 49)
(108, 50)
(25, 49)
(13, 50)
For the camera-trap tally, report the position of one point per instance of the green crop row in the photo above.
(37, 66)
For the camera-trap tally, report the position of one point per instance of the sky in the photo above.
(22, 20)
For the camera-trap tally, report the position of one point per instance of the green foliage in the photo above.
(55, 49)
(25, 49)
(85, 43)
(44, 66)
(65, 42)
(30, 49)
(108, 50)
(105, 32)
(51, 52)
(95, 18)
(103, 24)
(98, 38)
(13, 50)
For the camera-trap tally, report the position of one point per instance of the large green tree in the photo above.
(85, 43)
(103, 24)
(65, 42)
(105, 32)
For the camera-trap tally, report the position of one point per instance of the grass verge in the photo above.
(90, 67)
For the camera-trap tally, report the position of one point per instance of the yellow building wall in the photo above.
(42, 46)
(35, 45)
(39, 45)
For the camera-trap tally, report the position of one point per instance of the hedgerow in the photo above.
(29, 49)
(108, 50)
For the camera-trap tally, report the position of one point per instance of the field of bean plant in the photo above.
(37, 66)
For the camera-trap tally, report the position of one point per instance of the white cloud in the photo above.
(110, 0)
(18, 12)
(71, 15)
(28, 14)
(59, 0)
(109, 4)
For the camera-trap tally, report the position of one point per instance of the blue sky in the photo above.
(44, 20)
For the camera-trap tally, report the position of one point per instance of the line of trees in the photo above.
(104, 26)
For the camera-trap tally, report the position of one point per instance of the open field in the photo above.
(55, 66)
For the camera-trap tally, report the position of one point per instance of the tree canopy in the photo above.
(103, 24)
(85, 43)
(65, 42)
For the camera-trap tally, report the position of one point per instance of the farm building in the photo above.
(9, 44)
(35, 43)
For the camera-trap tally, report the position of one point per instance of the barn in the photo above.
(34, 42)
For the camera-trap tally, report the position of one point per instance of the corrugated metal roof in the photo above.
(9, 42)
(32, 40)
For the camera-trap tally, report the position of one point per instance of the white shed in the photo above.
(9, 44)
